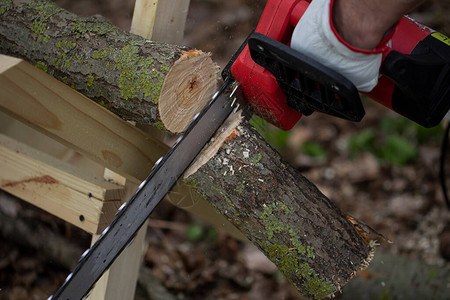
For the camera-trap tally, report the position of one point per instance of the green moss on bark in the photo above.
(38, 28)
(90, 80)
(271, 221)
(66, 46)
(292, 261)
(135, 73)
(92, 24)
(289, 263)
(42, 66)
(44, 9)
(5, 5)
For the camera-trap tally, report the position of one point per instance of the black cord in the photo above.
(442, 174)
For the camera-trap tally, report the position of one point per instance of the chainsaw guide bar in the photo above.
(133, 214)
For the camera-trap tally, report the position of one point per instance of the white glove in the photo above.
(316, 37)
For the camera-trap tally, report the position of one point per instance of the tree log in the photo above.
(310, 240)
(131, 76)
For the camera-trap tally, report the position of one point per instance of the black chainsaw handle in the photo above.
(422, 81)
(308, 85)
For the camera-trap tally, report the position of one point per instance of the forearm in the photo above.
(363, 23)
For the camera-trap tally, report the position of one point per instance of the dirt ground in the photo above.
(383, 171)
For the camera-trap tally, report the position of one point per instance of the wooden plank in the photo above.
(57, 187)
(160, 20)
(24, 134)
(58, 111)
(119, 281)
(68, 175)
(144, 17)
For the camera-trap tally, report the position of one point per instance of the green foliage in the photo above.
(394, 141)
(313, 149)
(211, 233)
(427, 135)
(194, 232)
(397, 150)
(411, 130)
(362, 141)
(278, 275)
(276, 137)
(385, 295)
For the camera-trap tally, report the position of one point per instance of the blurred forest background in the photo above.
(383, 171)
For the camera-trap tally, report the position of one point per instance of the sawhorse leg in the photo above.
(119, 282)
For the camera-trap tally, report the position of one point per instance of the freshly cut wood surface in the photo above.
(188, 90)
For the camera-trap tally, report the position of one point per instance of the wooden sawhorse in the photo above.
(73, 158)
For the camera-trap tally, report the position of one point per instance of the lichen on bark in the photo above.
(5, 5)
(293, 260)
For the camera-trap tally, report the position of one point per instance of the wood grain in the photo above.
(160, 20)
(57, 187)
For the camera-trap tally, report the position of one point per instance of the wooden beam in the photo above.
(43, 143)
(68, 193)
(160, 20)
(119, 281)
(53, 108)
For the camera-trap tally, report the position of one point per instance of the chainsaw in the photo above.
(280, 85)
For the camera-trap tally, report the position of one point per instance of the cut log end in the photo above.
(187, 88)
(226, 131)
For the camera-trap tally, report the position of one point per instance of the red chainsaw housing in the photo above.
(278, 21)
(260, 87)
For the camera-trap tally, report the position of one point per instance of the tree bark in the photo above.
(139, 80)
(310, 240)
(298, 228)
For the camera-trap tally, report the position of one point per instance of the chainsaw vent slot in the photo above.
(308, 85)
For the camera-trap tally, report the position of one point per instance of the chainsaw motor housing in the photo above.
(260, 87)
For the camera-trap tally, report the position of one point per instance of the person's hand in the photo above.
(316, 36)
